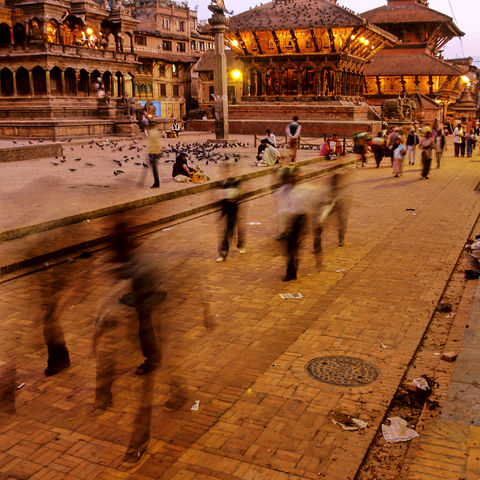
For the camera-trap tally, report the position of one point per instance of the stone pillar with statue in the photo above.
(217, 27)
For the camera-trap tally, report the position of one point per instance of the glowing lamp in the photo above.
(353, 37)
(234, 43)
(367, 42)
(89, 31)
(236, 74)
(362, 39)
(465, 79)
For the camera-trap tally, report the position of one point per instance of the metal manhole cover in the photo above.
(341, 370)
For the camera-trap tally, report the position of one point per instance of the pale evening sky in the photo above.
(467, 13)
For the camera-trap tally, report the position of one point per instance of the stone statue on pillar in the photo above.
(217, 27)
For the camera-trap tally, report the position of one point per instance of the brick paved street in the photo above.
(260, 415)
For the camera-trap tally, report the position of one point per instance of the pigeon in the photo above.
(72, 169)
(89, 164)
(54, 163)
(145, 165)
(77, 159)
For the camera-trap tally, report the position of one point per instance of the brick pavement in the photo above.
(256, 420)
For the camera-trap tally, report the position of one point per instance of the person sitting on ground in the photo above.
(325, 149)
(270, 137)
(176, 128)
(335, 142)
(181, 172)
(471, 254)
(269, 156)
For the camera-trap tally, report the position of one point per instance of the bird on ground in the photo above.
(72, 169)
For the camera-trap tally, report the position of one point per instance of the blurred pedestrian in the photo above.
(334, 203)
(399, 151)
(457, 138)
(391, 142)
(412, 142)
(294, 212)
(230, 216)
(293, 137)
(426, 145)
(471, 142)
(155, 151)
(145, 122)
(144, 294)
(378, 148)
(439, 145)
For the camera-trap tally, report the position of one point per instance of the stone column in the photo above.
(64, 92)
(47, 82)
(15, 83)
(220, 88)
(30, 81)
(218, 27)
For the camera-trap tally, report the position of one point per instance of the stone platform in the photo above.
(317, 118)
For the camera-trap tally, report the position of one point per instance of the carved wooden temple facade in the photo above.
(414, 66)
(52, 55)
(303, 58)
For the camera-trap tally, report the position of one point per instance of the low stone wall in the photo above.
(309, 128)
(30, 152)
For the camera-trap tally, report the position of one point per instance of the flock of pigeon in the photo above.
(131, 152)
(136, 153)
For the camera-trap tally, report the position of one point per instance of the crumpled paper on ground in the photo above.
(398, 431)
(347, 422)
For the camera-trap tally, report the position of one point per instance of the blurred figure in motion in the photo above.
(361, 146)
(140, 279)
(55, 300)
(155, 152)
(379, 148)
(293, 210)
(230, 216)
(144, 295)
(335, 202)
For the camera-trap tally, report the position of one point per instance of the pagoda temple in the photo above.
(54, 54)
(415, 65)
(303, 58)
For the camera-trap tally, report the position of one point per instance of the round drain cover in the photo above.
(342, 370)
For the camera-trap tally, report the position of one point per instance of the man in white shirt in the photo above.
(270, 137)
(457, 139)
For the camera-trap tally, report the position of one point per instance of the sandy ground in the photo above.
(47, 188)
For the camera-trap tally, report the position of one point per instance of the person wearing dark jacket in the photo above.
(230, 215)
(412, 142)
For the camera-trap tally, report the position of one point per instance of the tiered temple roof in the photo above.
(297, 27)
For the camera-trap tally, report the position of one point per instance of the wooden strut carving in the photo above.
(260, 51)
(242, 43)
(277, 41)
(314, 40)
(295, 41)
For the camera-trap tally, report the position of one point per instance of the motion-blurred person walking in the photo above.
(426, 145)
(230, 216)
